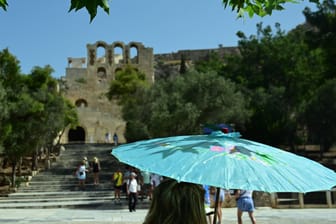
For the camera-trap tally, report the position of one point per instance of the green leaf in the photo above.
(78, 4)
(90, 5)
(3, 4)
(104, 4)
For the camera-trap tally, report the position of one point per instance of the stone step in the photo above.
(95, 203)
(56, 199)
(55, 177)
(65, 188)
(58, 187)
(55, 194)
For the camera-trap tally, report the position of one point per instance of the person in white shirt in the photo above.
(132, 192)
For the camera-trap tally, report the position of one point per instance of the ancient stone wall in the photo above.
(87, 81)
(195, 55)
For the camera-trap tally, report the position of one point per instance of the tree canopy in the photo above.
(33, 112)
(278, 90)
(257, 7)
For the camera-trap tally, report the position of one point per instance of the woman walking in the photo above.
(244, 204)
(95, 170)
(81, 174)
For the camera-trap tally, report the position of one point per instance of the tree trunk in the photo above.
(60, 136)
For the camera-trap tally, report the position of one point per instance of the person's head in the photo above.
(177, 203)
(95, 159)
(133, 175)
(212, 190)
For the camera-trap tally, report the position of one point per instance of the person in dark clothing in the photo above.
(95, 170)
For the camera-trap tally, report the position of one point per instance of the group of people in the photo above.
(179, 202)
(85, 167)
(243, 198)
(172, 202)
(134, 183)
(108, 138)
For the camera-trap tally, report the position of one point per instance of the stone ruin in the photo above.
(86, 82)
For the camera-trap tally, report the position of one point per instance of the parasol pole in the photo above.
(216, 205)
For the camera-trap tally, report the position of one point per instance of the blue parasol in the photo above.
(227, 161)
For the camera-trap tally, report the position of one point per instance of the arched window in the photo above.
(134, 54)
(81, 103)
(118, 55)
(101, 58)
(101, 72)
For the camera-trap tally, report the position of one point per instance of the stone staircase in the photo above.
(57, 187)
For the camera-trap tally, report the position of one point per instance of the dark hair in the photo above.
(177, 203)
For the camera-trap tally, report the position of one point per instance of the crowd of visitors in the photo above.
(169, 198)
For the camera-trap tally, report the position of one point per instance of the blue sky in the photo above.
(42, 32)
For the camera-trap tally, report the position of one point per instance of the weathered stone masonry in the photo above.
(87, 80)
(86, 87)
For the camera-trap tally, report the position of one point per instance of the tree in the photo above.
(321, 34)
(320, 114)
(128, 88)
(259, 7)
(126, 83)
(36, 112)
(181, 105)
(56, 110)
(212, 62)
(3, 115)
(279, 72)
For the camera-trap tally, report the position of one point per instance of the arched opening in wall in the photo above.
(81, 103)
(101, 58)
(101, 73)
(118, 55)
(76, 135)
(134, 55)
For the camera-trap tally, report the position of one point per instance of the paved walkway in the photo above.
(123, 216)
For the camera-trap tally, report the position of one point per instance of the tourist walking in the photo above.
(213, 192)
(81, 174)
(95, 170)
(86, 163)
(115, 139)
(126, 177)
(132, 192)
(117, 180)
(155, 181)
(146, 185)
(207, 203)
(244, 204)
